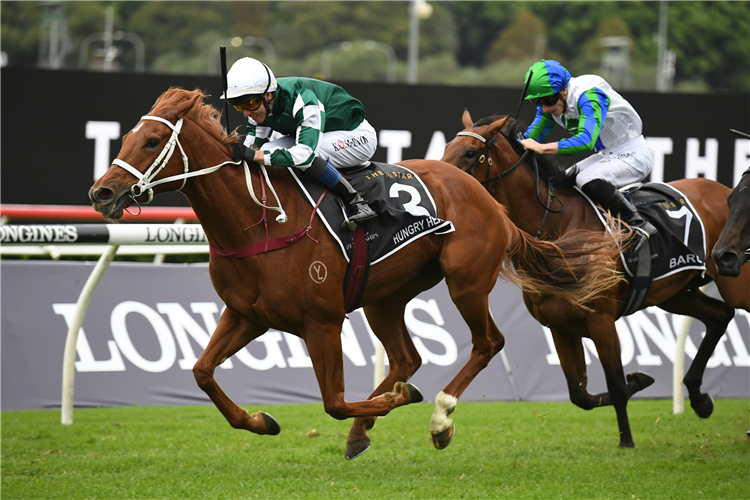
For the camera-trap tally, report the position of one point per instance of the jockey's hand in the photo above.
(239, 151)
(540, 149)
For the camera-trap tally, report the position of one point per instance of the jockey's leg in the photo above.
(610, 198)
(358, 210)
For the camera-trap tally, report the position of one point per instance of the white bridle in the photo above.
(146, 183)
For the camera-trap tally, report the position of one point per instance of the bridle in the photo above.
(535, 167)
(146, 181)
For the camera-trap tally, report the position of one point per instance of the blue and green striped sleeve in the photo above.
(541, 125)
(310, 115)
(592, 107)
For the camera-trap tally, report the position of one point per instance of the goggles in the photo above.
(549, 100)
(249, 104)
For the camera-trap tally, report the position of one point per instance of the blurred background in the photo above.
(685, 47)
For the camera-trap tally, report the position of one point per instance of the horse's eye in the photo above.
(152, 143)
(471, 154)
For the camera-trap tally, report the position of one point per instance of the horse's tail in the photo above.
(580, 266)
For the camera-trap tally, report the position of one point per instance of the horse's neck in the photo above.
(518, 193)
(227, 212)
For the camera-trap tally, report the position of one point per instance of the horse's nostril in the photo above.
(728, 257)
(103, 195)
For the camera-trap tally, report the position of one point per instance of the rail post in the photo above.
(69, 360)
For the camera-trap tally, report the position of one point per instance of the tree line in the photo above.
(461, 42)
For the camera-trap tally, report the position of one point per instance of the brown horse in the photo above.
(732, 250)
(275, 289)
(488, 148)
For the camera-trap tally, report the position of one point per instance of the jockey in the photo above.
(600, 120)
(322, 128)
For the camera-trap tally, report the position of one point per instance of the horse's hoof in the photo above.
(356, 448)
(640, 379)
(703, 406)
(415, 395)
(442, 439)
(272, 426)
(629, 444)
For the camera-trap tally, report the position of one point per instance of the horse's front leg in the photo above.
(604, 334)
(233, 332)
(387, 322)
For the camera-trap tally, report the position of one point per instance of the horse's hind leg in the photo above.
(386, 319)
(232, 334)
(716, 315)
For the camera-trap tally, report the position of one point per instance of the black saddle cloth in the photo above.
(406, 210)
(680, 243)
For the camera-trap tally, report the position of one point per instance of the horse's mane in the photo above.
(204, 115)
(549, 168)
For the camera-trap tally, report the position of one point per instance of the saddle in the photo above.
(406, 212)
(679, 244)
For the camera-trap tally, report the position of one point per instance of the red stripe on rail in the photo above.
(86, 212)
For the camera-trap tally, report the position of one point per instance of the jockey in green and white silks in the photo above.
(600, 120)
(308, 124)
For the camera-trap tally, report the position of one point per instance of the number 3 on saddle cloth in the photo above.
(678, 245)
(406, 212)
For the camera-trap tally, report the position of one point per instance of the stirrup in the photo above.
(364, 215)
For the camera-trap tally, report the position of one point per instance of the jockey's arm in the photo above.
(310, 123)
(592, 108)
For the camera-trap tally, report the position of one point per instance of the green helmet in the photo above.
(547, 78)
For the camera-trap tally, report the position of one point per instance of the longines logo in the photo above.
(38, 234)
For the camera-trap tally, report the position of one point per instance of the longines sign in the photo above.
(147, 325)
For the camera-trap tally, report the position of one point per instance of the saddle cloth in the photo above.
(680, 243)
(405, 207)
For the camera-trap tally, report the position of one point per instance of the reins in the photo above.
(489, 144)
(146, 183)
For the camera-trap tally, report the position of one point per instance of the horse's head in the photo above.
(732, 250)
(491, 142)
(472, 146)
(152, 155)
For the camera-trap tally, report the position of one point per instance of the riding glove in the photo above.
(241, 152)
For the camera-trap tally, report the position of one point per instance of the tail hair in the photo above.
(580, 266)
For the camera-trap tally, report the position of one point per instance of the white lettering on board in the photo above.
(102, 133)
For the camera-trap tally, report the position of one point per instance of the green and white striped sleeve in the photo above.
(310, 116)
(257, 136)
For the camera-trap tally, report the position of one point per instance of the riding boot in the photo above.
(358, 210)
(610, 198)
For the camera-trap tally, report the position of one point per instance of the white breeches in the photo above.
(620, 165)
(343, 148)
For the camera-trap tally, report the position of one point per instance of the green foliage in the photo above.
(501, 450)
(708, 38)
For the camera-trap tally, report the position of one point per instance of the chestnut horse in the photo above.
(488, 148)
(275, 289)
(732, 250)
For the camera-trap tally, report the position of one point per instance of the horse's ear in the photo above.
(466, 119)
(498, 125)
(184, 107)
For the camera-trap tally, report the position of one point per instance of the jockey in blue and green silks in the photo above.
(599, 120)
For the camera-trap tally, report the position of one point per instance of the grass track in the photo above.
(501, 450)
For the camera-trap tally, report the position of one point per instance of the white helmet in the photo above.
(248, 77)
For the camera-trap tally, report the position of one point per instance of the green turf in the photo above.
(501, 450)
